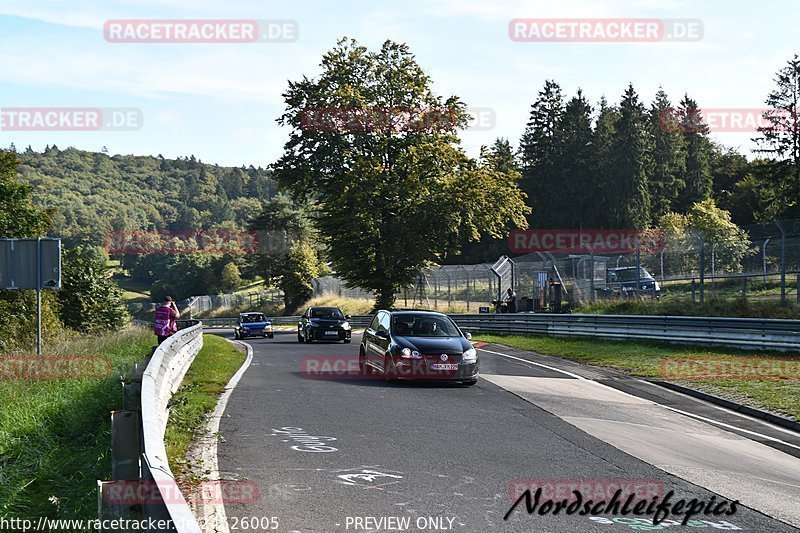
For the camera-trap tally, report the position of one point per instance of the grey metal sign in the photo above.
(30, 264)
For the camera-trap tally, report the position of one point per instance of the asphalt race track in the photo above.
(329, 450)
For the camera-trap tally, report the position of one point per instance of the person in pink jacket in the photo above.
(166, 315)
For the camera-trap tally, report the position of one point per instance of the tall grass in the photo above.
(55, 435)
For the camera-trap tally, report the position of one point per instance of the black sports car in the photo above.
(418, 345)
(324, 324)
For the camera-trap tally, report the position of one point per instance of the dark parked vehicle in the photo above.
(253, 325)
(418, 345)
(324, 324)
(623, 279)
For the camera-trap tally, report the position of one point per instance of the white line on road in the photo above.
(214, 515)
(685, 413)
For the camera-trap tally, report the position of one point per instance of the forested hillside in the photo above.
(95, 193)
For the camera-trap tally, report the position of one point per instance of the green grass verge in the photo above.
(778, 394)
(196, 398)
(738, 308)
(55, 435)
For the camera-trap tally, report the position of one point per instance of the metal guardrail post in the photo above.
(125, 445)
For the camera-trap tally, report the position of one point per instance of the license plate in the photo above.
(444, 366)
(332, 333)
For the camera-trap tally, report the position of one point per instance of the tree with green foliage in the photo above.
(19, 217)
(669, 155)
(576, 186)
(696, 180)
(781, 136)
(539, 155)
(602, 164)
(502, 156)
(292, 267)
(396, 196)
(721, 236)
(632, 164)
(89, 301)
(230, 277)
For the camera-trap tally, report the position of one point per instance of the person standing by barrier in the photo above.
(511, 301)
(166, 315)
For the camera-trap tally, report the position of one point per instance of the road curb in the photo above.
(213, 516)
(778, 420)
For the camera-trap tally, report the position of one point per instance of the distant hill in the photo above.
(94, 193)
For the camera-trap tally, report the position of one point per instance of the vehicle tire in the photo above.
(236, 335)
(271, 335)
(389, 370)
(469, 383)
(299, 337)
(363, 367)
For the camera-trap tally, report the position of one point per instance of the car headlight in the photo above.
(470, 356)
(408, 353)
(657, 287)
(346, 325)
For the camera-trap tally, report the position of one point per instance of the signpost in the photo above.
(31, 264)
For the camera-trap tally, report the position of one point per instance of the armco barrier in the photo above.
(138, 452)
(357, 321)
(745, 333)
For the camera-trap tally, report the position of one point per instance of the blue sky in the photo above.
(219, 101)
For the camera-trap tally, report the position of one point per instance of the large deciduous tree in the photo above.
(378, 152)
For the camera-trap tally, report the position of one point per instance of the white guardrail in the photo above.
(160, 380)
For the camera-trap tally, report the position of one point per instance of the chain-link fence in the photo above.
(693, 267)
(701, 265)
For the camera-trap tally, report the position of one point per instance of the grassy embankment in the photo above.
(196, 398)
(711, 307)
(55, 434)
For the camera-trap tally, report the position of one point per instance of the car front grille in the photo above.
(437, 358)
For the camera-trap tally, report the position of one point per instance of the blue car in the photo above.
(253, 325)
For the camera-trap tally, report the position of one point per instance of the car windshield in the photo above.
(630, 274)
(329, 313)
(421, 325)
(253, 318)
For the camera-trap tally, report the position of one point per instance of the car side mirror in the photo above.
(467, 335)
(347, 317)
(382, 334)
